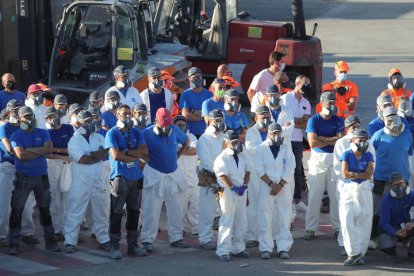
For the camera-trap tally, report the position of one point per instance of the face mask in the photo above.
(273, 101)
(265, 123)
(122, 84)
(276, 141)
(342, 77)
(73, 119)
(238, 148)
(219, 127)
(282, 66)
(127, 123)
(141, 121)
(11, 85)
(397, 81)
(220, 93)
(394, 124)
(196, 83)
(54, 123)
(231, 106)
(399, 191)
(306, 88)
(13, 120)
(361, 147)
(155, 85)
(162, 131)
(405, 109)
(97, 124)
(114, 105)
(87, 129)
(27, 125)
(61, 112)
(331, 110)
(38, 100)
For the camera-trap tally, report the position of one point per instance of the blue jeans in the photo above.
(297, 149)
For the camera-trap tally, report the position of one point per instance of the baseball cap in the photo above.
(33, 88)
(231, 93)
(327, 96)
(120, 70)
(394, 71)
(360, 133)
(49, 111)
(94, 110)
(272, 89)
(74, 108)
(163, 116)
(13, 104)
(140, 107)
(194, 70)
(111, 94)
(154, 72)
(3, 114)
(273, 127)
(342, 66)
(95, 96)
(262, 109)
(83, 115)
(352, 119)
(60, 99)
(25, 110)
(179, 118)
(384, 99)
(395, 176)
(42, 86)
(388, 111)
(165, 75)
(231, 135)
(215, 114)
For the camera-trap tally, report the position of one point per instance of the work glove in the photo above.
(242, 189)
(235, 189)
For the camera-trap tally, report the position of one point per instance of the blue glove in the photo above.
(235, 189)
(242, 189)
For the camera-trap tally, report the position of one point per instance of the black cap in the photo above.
(94, 110)
(194, 70)
(231, 93)
(140, 107)
(154, 72)
(25, 110)
(215, 114)
(13, 104)
(262, 109)
(60, 99)
(95, 95)
(83, 115)
(231, 135)
(49, 111)
(360, 133)
(112, 94)
(349, 121)
(74, 108)
(121, 70)
(274, 127)
(272, 89)
(179, 118)
(328, 96)
(395, 176)
(3, 114)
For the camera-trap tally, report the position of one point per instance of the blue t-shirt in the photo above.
(237, 122)
(327, 128)
(108, 119)
(395, 211)
(378, 124)
(102, 132)
(391, 154)
(162, 150)
(60, 137)
(6, 131)
(124, 140)
(5, 97)
(275, 113)
(211, 104)
(194, 101)
(357, 165)
(123, 91)
(33, 139)
(156, 101)
(410, 121)
(263, 135)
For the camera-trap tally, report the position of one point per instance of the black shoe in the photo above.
(179, 244)
(137, 251)
(355, 260)
(30, 239)
(13, 249)
(59, 237)
(215, 223)
(51, 245)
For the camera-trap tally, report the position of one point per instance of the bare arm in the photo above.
(23, 154)
(189, 151)
(7, 145)
(315, 141)
(118, 155)
(180, 151)
(100, 154)
(45, 150)
(88, 160)
(246, 178)
(226, 180)
(140, 152)
(250, 93)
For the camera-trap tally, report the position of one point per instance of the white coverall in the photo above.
(39, 112)
(132, 96)
(275, 208)
(209, 146)
(321, 176)
(160, 187)
(88, 185)
(253, 140)
(146, 100)
(355, 213)
(233, 220)
(188, 166)
(343, 144)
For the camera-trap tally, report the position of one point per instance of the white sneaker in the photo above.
(372, 245)
(301, 206)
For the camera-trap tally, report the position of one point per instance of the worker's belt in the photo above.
(206, 178)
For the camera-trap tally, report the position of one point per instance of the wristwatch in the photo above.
(270, 183)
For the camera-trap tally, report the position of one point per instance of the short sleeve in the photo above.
(74, 150)
(344, 157)
(255, 82)
(244, 120)
(184, 103)
(205, 108)
(340, 125)
(45, 135)
(111, 140)
(220, 167)
(140, 138)
(354, 90)
(310, 126)
(370, 157)
(3, 132)
(180, 136)
(15, 140)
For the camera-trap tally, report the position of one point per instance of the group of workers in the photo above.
(128, 152)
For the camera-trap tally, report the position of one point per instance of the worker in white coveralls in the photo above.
(86, 150)
(233, 174)
(163, 181)
(275, 167)
(355, 200)
(323, 130)
(209, 146)
(254, 137)
(187, 163)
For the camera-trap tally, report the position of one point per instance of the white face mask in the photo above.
(282, 66)
(342, 77)
(13, 120)
(73, 120)
(120, 84)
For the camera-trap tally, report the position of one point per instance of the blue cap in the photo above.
(215, 114)
(274, 127)
(140, 107)
(231, 135)
(272, 89)
(232, 93)
(262, 109)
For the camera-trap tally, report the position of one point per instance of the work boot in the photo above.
(4, 242)
(13, 249)
(70, 248)
(59, 237)
(148, 246)
(252, 243)
(284, 255)
(265, 255)
(208, 245)
(135, 250)
(309, 235)
(115, 253)
(355, 260)
(106, 246)
(243, 254)
(225, 257)
(51, 245)
(30, 239)
(179, 244)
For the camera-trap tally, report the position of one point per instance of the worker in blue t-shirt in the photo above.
(112, 102)
(323, 130)
(393, 147)
(405, 110)
(126, 145)
(191, 102)
(140, 116)
(163, 180)
(215, 102)
(31, 145)
(10, 92)
(233, 118)
(58, 165)
(396, 224)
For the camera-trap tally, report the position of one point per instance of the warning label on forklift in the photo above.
(124, 53)
(254, 32)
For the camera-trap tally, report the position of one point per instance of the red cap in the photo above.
(342, 66)
(163, 116)
(33, 88)
(327, 87)
(394, 71)
(165, 75)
